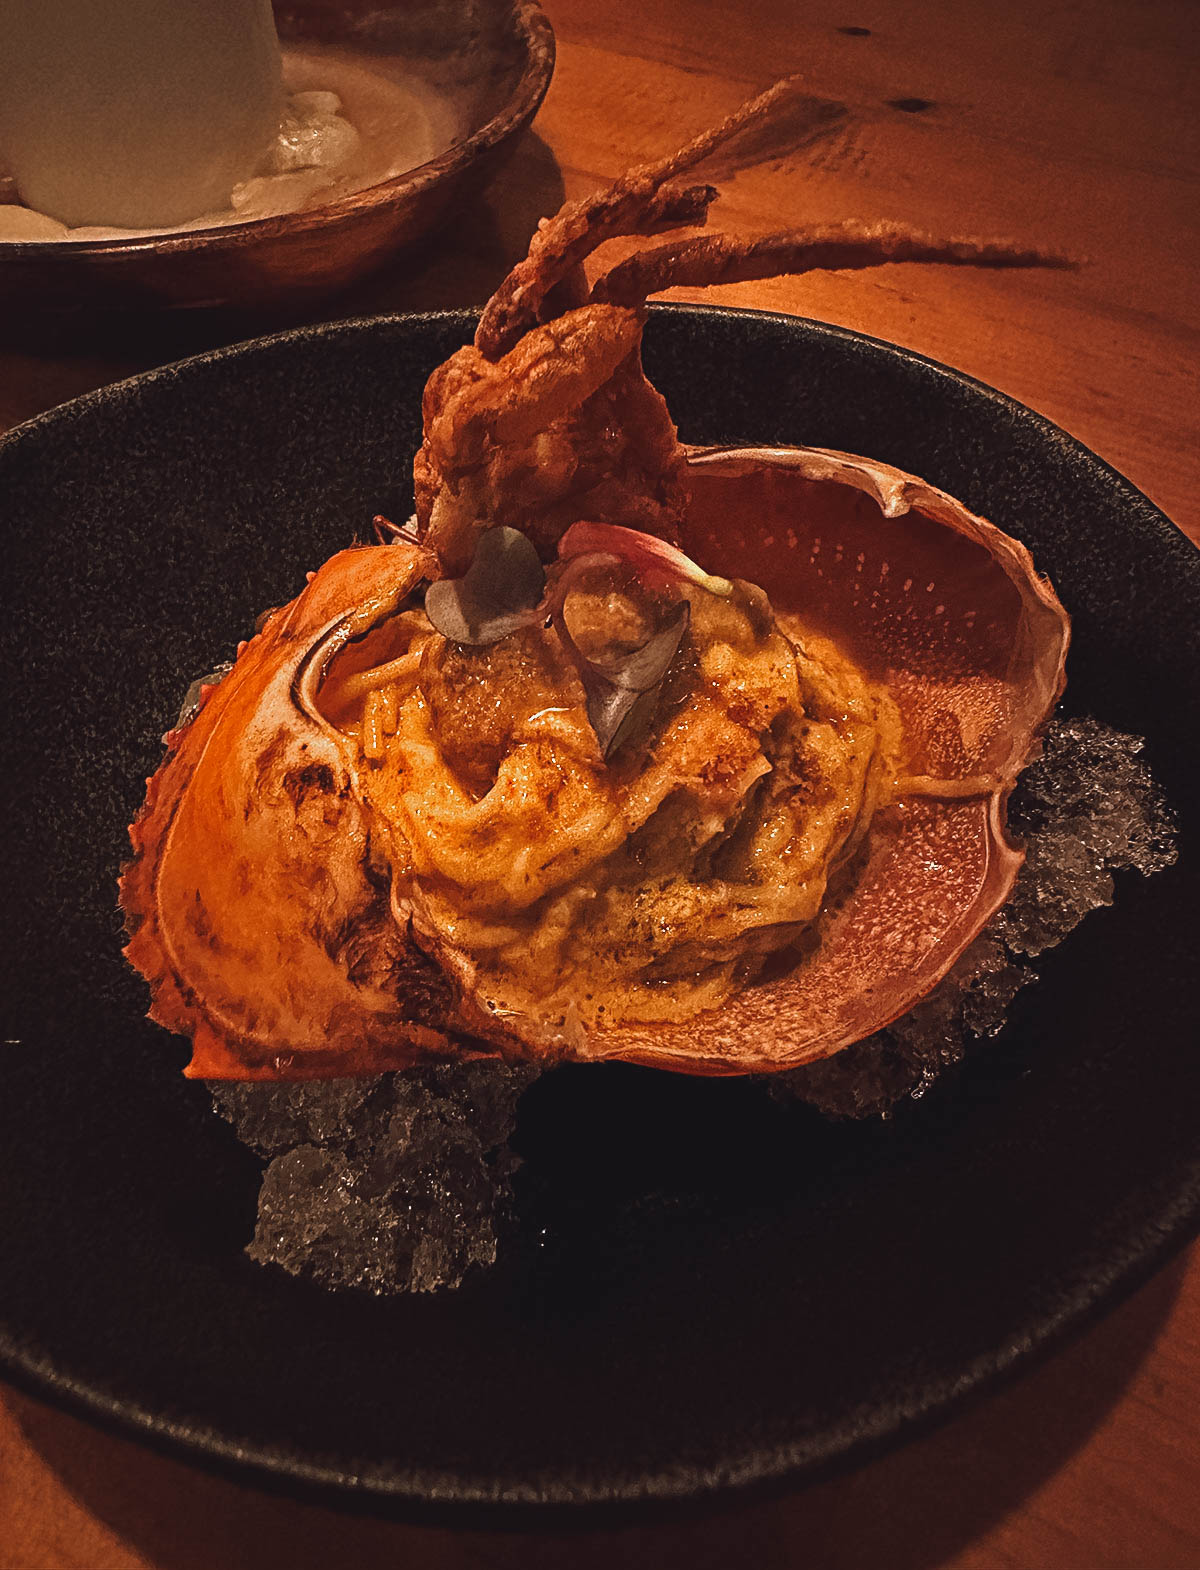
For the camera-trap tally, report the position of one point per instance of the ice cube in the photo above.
(312, 1223)
(397, 1183)
(271, 1118)
(313, 135)
(402, 1183)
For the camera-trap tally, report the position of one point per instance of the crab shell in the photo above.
(261, 915)
(250, 902)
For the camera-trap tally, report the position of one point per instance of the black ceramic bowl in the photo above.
(705, 1289)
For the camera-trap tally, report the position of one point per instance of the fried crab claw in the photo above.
(548, 776)
(548, 417)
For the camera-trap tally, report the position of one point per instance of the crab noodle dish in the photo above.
(618, 749)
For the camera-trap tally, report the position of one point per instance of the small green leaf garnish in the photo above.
(499, 593)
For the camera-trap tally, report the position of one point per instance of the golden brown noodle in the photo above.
(651, 887)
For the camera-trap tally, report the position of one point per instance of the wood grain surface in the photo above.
(1073, 126)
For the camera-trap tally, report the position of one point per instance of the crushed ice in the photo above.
(397, 1183)
(403, 1182)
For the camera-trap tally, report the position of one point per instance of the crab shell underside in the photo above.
(267, 934)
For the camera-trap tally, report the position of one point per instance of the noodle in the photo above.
(372, 728)
(402, 670)
(645, 889)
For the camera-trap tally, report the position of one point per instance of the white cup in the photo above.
(135, 113)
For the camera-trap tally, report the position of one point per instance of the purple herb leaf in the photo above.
(652, 557)
(616, 712)
(499, 592)
(623, 695)
(645, 668)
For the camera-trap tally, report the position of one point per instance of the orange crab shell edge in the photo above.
(248, 903)
(974, 654)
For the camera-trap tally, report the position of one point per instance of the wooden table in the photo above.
(1072, 126)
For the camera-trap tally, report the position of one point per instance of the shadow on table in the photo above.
(910, 1510)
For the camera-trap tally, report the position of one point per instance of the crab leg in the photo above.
(546, 410)
(647, 200)
(557, 366)
(724, 258)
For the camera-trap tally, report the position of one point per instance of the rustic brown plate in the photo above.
(492, 61)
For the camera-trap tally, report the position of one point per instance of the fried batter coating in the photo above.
(643, 201)
(725, 258)
(543, 422)
(565, 426)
